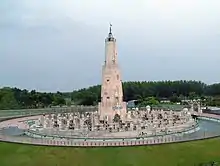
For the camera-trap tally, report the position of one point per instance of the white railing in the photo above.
(93, 143)
(35, 134)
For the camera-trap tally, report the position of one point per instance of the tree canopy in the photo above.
(137, 90)
(14, 98)
(145, 92)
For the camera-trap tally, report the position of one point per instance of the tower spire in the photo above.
(110, 35)
(110, 28)
(111, 91)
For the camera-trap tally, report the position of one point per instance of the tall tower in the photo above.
(111, 90)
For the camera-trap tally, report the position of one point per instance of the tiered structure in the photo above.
(138, 123)
(111, 91)
(112, 118)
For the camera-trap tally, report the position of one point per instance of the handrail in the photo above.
(110, 138)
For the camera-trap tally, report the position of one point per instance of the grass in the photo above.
(182, 154)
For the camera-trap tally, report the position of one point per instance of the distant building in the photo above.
(131, 104)
(164, 100)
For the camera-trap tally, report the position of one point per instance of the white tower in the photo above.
(111, 90)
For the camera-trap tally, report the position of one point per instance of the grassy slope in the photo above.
(183, 154)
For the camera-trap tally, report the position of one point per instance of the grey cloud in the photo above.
(60, 53)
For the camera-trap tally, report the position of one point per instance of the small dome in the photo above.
(185, 109)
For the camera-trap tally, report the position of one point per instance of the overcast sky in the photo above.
(59, 44)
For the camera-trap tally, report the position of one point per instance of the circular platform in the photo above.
(28, 130)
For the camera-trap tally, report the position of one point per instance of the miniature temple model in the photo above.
(113, 119)
(111, 91)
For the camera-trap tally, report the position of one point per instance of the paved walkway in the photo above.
(207, 115)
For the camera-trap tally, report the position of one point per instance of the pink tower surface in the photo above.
(111, 90)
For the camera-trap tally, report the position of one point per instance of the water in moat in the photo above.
(207, 127)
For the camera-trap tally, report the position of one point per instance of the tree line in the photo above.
(137, 90)
(146, 92)
(14, 98)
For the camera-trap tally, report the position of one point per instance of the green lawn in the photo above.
(182, 154)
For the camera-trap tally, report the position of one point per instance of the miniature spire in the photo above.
(110, 35)
(110, 29)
